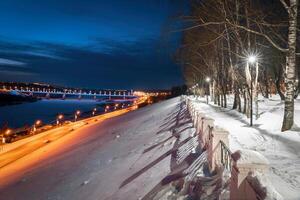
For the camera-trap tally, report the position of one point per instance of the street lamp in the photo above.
(207, 92)
(106, 108)
(251, 59)
(8, 131)
(94, 111)
(36, 124)
(77, 113)
(59, 118)
(6, 134)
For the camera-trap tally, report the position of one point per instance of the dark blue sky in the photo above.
(90, 43)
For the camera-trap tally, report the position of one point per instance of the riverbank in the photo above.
(132, 156)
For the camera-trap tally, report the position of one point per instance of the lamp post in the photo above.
(94, 111)
(106, 108)
(77, 113)
(251, 60)
(207, 92)
(59, 118)
(6, 134)
(35, 125)
(116, 106)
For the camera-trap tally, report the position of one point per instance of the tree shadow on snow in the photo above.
(171, 125)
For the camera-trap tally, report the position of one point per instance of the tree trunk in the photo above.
(239, 102)
(235, 101)
(245, 102)
(266, 83)
(288, 119)
(277, 84)
(225, 100)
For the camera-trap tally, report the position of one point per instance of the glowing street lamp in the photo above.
(207, 92)
(77, 113)
(59, 118)
(94, 111)
(251, 60)
(8, 131)
(36, 124)
(106, 108)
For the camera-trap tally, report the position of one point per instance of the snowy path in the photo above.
(126, 157)
(281, 149)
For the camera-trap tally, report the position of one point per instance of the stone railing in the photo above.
(247, 168)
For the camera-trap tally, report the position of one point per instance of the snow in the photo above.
(153, 153)
(281, 149)
(264, 182)
(144, 153)
(252, 157)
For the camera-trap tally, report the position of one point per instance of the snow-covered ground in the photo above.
(282, 149)
(148, 153)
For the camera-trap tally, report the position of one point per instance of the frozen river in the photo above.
(46, 110)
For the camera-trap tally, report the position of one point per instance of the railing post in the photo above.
(205, 126)
(245, 163)
(214, 149)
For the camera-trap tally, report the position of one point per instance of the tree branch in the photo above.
(287, 8)
(199, 25)
(260, 34)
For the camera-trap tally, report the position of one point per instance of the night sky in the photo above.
(118, 44)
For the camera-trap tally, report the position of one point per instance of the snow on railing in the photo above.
(247, 168)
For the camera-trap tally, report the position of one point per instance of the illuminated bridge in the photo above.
(75, 94)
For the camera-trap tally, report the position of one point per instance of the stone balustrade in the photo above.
(247, 167)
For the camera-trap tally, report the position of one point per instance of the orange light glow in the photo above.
(8, 131)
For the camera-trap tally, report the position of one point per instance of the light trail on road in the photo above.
(53, 135)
